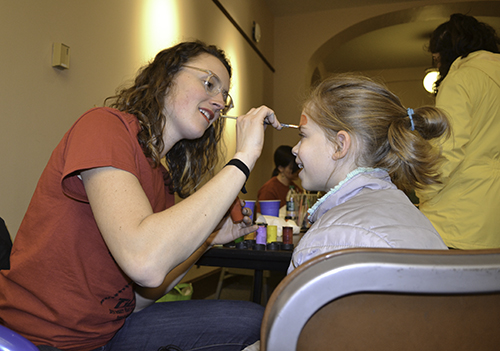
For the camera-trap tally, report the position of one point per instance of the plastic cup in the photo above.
(270, 207)
(251, 205)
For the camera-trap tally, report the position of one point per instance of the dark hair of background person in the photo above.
(189, 160)
(283, 157)
(458, 37)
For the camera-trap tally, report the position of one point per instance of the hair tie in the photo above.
(410, 114)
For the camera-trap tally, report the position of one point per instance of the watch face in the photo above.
(256, 32)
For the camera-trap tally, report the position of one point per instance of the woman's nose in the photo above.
(218, 101)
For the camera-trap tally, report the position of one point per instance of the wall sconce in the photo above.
(256, 32)
(431, 75)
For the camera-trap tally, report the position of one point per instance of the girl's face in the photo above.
(189, 110)
(314, 155)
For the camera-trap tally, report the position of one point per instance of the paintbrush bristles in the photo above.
(286, 125)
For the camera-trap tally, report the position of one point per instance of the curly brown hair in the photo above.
(381, 127)
(188, 161)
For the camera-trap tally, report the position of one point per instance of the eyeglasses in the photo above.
(213, 86)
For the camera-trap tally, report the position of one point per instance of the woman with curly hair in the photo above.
(102, 239)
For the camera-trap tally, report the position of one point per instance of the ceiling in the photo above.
(293, 7)
(396, 40)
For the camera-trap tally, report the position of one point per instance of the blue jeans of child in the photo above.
(201, 325)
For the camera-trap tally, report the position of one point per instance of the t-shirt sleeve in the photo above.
(100, 138)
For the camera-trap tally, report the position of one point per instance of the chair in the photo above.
(11, 341)
(5, 246)
(387, 299)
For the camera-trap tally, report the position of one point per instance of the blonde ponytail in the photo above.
(385, 134)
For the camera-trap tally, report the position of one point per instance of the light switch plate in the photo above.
(60, 56)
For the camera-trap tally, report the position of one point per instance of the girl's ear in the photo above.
(344, 144)
(281, 169)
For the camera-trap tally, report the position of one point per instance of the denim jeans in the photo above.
(193, 325)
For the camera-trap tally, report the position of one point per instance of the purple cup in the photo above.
(270, 207)
(251, 205)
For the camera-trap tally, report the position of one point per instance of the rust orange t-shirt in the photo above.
(273, 189)
(64, 289)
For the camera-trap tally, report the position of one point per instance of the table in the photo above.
(249, 259)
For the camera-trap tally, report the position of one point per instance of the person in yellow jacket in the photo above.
(465, 207)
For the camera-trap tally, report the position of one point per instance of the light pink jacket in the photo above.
(365, 210)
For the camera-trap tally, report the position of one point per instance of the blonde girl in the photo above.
(365, 150)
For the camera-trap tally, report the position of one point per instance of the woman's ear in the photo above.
(344, 144)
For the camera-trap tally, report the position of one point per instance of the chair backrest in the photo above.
(387, 299)
(12, 341)
(5, 246)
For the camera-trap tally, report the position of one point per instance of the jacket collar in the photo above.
(357, 180)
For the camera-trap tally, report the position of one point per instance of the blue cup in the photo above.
(251, 205)
(270, 207)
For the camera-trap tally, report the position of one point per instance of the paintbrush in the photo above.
(284, 125)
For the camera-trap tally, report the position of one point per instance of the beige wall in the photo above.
(298, 38)
(109, 41)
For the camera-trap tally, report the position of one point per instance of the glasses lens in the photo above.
(212, 85)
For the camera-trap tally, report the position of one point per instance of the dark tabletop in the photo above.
(246, 258)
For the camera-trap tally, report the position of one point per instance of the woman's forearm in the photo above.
(148, 245)
(148, 296)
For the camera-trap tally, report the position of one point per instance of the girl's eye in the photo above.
(301, 135)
